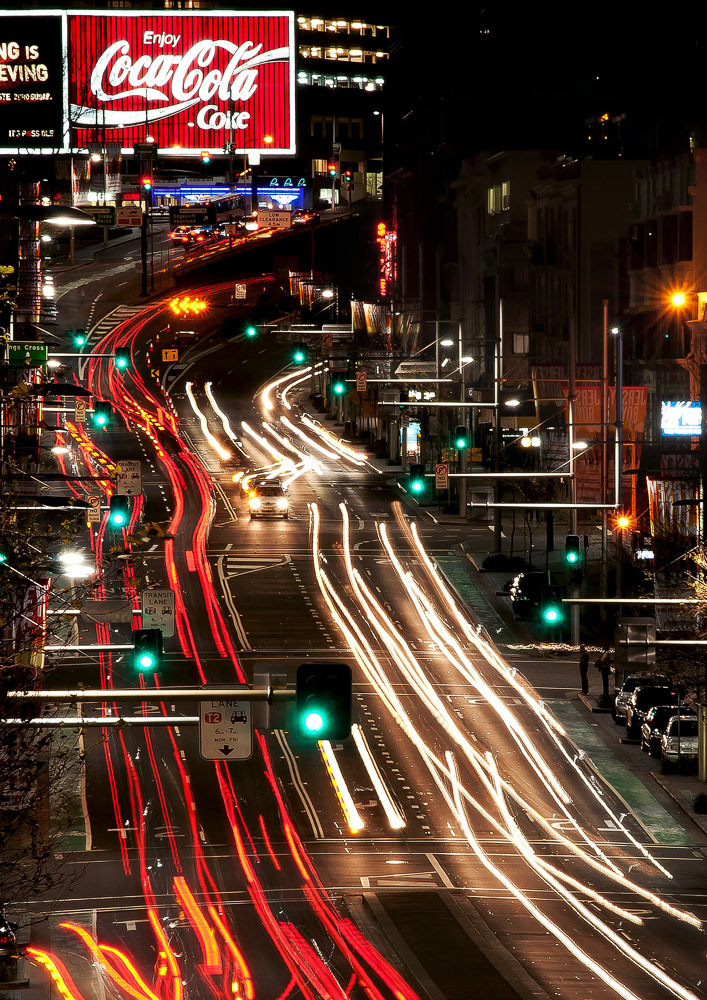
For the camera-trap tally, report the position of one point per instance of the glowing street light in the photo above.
(678, 299)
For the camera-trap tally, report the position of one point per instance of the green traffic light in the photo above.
(314, 722)
(117, 517)
(339, 388)
(121, 362)
(251, 331)
(100, 420)
(460, 443)
(79, 341)
(299, 356)
(572, 557)
(3, 557)
(145, 661)
(551, 615)
(417, 486)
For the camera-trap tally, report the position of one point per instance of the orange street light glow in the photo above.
(678, 299)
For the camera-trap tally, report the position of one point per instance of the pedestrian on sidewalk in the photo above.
(603, 665)
(584, 668)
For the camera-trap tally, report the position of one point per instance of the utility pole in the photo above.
(603, 564)
(497, 375)
(574, 590)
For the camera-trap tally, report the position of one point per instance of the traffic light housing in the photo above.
(573, 553)
(146, 183)
(119, 513)
(416, 481)
(78, 337)
(551, 610)
(299, 353)
(461, 438)
(121, 355)
(333, 169)
(102, 415)
(323, 701)
(347, 177)
(147, 649)
(338, 383)
(205, 157)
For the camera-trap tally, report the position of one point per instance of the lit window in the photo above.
(505, 196)
(521, 343)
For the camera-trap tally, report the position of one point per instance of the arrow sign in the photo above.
(226, 750)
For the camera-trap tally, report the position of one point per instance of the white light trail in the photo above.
(224, 419)
(218, 448)
(544, 921)
(393, 814)
(494, 659)
(367, 660)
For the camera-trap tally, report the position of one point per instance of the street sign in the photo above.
(274, 220)
(225, 730)
(170, 354)
(190, 215)
(240, 291)
(327, 339)
(128, 478)
(441, 475)
(94, 510)
(360, 381)
(158, 610)
(102, 215)
(80, 411)
(29, 353)
(129, 215)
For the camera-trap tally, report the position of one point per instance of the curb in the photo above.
(699, 820)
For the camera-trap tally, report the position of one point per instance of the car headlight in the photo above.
(282, 504)
(254, 503)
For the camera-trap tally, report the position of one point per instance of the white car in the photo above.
(679, 741)
(268, 500)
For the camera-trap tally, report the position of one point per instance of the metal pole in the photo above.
(462, 454)
(603, 565)
(618, 453)
(497, 370)
(574, 613)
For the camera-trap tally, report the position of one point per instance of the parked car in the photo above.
(623, 695)
(303, 215)
(526, 593)
(653, 727)
(679, 741)
(644, 698)
(268, 500)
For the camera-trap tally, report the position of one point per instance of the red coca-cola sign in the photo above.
(191, 81)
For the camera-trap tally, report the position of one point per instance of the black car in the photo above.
(526, 594)
(623, 694)
(644, 698)
(654, 726)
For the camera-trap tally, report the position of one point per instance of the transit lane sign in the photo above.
(225, 730)
(158, 610)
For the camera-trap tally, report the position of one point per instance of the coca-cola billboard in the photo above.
(190, 81)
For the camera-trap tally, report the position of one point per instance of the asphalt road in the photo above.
(457, 845)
